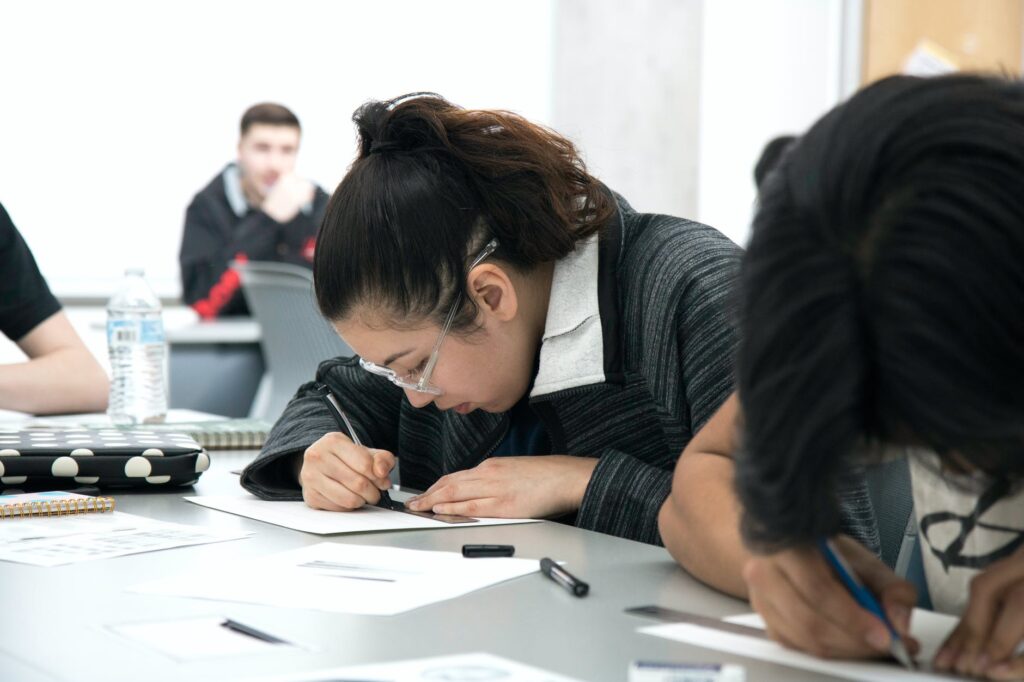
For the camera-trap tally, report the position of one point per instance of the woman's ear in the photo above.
(493, 292)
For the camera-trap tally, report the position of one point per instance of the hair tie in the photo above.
(377, 146)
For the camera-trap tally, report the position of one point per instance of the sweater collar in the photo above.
(581, 344)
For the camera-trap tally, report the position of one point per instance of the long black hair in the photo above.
(431, 185)
(883, 297)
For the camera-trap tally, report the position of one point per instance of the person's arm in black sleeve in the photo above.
(61, 374)
(211, 240)
(371, 403)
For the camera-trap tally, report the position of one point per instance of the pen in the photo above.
(563, 577)
(480, 551)
(251, 632)
(862, 595)
(339, 416)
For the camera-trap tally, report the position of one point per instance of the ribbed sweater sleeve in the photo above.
(370, 402)
(625, 494)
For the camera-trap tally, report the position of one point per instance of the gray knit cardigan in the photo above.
(637, 355)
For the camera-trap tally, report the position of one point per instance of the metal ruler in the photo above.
(673, 616)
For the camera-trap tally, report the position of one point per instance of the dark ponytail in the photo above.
(431, 185)
(883, 297)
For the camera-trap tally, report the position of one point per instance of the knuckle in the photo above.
(1000, 643)
(471, 508)
(980, 587)
(334, 437)
(312, 499)
(754, 571)
(816, 648)
(811, 623)
(328, 441)
(970, 636)
(351, 502)
(357, 462)
(357, 486)
(819, 587)
(367, 490)
(1015, 598)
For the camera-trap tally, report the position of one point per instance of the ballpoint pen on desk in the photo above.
(339, 416)
(574, 585)
(862, 595)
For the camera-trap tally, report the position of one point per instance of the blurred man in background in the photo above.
(256, 209)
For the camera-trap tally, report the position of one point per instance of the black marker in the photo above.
(561, 576)
(475, 551)
(339, 416)
(251, 632)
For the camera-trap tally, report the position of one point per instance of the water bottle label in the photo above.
(152, 331)
(131, 332)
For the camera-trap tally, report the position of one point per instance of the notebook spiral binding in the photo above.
(56, 507)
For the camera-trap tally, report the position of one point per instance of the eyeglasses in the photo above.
(416, 380)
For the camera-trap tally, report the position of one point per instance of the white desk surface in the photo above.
(229, 330)
(55, 621)
(181, 325)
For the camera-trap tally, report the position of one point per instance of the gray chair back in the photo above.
(889, 487)
(295, 338)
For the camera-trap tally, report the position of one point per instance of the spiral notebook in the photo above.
(60, 527)
(52, 503)
(215, 433)
(219, 434)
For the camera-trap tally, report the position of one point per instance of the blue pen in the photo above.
(862, 595)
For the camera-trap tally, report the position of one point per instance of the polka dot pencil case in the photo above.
(109, 458)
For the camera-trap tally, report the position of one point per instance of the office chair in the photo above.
(295, 338)
(888, 484)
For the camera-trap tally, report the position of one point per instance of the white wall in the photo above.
(769, 67)
(627, 86)
(113, 113)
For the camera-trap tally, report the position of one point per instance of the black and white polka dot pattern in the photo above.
(106, 457)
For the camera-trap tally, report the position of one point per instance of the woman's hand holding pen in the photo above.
(511, 487)
(805, 607)
(338, 475)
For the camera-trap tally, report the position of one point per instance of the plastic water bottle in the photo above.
(138, 353)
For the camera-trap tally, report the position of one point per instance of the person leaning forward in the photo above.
(528, 344)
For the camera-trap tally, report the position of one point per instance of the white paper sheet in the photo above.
(54, 541)
(345, 579)
(195, 638)
(930, 629)
(300, 516)
(478, 666)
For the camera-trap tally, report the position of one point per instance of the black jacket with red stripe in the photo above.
(219, 229)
